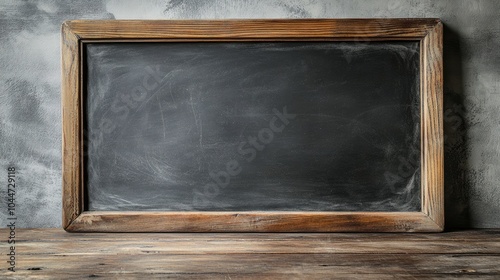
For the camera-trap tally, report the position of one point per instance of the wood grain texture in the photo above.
(340, 29)
(104, 221)
(71, 126)
(55, 254)
(432, 125)
(427, 31)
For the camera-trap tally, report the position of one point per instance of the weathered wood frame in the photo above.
(427, 31)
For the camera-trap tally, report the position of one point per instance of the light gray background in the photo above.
(30, 115)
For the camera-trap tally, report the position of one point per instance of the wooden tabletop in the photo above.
(56, 254)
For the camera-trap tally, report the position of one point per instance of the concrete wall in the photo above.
(30, 115)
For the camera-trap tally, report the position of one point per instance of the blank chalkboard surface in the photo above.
(252, 125)
(312, 126)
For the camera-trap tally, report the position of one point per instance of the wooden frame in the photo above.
(427, 31)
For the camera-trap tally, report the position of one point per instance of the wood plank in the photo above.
(256, 246)
(254, 264)
(56, 254)
(71, 126)
(432, 143)
(272, 221)
(56, 234)
(341, 29)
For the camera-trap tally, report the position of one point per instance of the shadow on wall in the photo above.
(457, 185)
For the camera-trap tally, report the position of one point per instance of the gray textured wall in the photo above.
(30, 122)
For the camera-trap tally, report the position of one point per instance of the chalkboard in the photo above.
(310, 126)
(252, 126)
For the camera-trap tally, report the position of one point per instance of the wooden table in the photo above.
(55, 254)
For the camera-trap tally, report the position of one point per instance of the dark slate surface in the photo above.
(166, 121)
